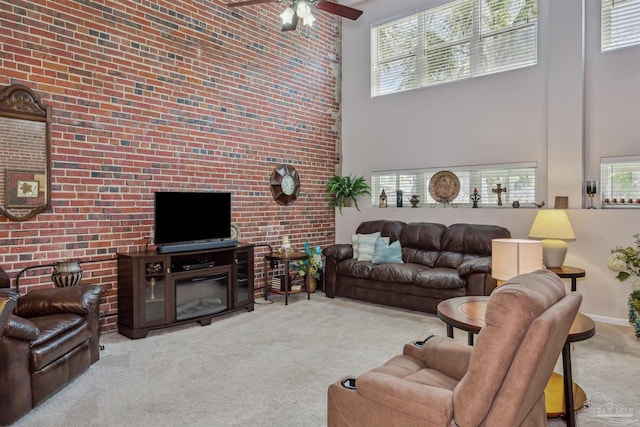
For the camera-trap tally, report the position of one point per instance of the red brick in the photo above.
(171, 112)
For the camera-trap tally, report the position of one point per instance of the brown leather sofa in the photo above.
(443, 382)
(439, 262)
(51, 338)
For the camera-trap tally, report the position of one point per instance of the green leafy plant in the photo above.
(626, 262)
(344, 189)
(312, 265)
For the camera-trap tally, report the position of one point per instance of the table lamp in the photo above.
(511, 257)
(554, 228)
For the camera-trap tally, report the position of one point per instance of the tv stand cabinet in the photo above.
(158, 290)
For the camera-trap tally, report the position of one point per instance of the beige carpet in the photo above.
(271, 367)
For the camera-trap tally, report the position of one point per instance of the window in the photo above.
(620, 24)
(620, 179)
(458, 40)
(519, 180)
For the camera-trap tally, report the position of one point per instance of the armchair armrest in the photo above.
(82, 299)
(334, 254)
(339, 251)
(6, 307)
(20, 328)
(475, 265)
(430, 403)
(444, 354)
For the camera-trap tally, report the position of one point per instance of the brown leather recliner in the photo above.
(50, 339)
(442, 382)
(6, 307)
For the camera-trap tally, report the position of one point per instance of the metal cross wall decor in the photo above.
(499, 190)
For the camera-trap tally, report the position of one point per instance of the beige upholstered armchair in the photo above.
(443, 382)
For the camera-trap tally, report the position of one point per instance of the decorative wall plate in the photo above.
(235, 231)
(444, 186)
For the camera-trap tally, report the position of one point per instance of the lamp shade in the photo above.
(511, 257)
(553, 226)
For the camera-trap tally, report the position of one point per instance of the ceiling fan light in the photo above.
(287, 15)
(303, 10)
(309, 20)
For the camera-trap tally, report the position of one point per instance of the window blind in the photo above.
(620, 24)
(394, 49)
(454, 41)
(620, 180)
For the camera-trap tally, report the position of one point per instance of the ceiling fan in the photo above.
(301, 9)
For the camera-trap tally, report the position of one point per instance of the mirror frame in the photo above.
(20, 102)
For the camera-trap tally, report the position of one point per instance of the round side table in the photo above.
(566, 272)
(285, 257)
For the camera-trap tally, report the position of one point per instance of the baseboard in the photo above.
(610, 320)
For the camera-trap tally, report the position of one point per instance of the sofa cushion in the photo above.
(391, 229)
(387, 253)
(59, 334)
(351, 267)
(395, 273)
(448, 259)
(439, 278)
(461, 242)
(73, 299)
(421, 242)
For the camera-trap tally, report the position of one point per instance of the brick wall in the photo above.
(166, 95)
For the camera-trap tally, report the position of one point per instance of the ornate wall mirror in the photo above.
(25, 160)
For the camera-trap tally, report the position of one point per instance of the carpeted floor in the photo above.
(272, 367)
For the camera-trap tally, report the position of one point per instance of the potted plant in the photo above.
(626, 262)
(342, 190)
(310, 266)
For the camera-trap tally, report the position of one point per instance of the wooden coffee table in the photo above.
(564, 397)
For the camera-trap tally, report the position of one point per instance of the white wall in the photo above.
(575, 106)
(612, 125)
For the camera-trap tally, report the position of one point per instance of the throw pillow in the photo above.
(366, 245)
(384, 253)
(354, 245)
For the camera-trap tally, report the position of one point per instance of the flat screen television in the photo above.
(188, 221)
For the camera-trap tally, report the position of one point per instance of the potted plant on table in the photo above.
(343, 190)
(310, 266)
(626, 262)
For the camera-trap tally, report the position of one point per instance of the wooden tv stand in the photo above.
(160, 290)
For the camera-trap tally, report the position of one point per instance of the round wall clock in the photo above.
(285, 185)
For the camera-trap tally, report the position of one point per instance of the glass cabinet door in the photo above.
(155, 292)
(244, 284)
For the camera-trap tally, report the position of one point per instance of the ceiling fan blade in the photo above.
(338, 9)
(250, 2)
(292, 26)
